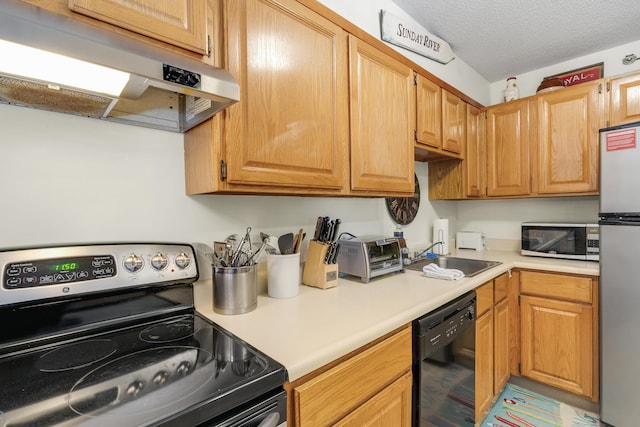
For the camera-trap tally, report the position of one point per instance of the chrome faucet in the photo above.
(421, 253)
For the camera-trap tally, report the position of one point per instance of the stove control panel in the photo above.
(42, 273)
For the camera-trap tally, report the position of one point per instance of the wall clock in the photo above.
(403, 210)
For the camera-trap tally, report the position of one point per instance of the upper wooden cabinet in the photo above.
(625, 99)
(508, 149)
(474, 168)
(382, 97)
(339, 121)
(454, 113)
(290, 131)
(182, 23)
(429, 113)
(460, 179)
(568, 132)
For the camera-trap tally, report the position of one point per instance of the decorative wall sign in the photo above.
(410, 35)
(581, 75)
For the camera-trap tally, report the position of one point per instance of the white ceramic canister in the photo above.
(511, 92)
(283, 275)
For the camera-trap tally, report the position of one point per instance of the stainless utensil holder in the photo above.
(235, 289)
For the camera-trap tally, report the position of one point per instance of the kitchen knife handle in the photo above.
(336, 227)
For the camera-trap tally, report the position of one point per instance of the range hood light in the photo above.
(20, 60)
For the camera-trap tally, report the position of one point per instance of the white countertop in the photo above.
(317, 326)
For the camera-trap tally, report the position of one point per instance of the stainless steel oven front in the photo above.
(107, 335)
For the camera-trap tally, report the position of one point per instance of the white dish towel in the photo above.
(436, 272)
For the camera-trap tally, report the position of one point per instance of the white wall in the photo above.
(74, 179)
(612, 58)
(500, 219)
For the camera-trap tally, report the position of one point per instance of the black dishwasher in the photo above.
(444, 365)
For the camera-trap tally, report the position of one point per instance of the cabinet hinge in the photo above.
(518, 299)
(600, 88)
(415, 134)
(608, 86)
(223, 170)
(209, 48)
(415, 79)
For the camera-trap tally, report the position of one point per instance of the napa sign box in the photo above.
(410, 35)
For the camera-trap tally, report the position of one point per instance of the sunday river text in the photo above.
(418, 38)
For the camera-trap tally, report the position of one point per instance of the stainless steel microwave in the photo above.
(561, 240)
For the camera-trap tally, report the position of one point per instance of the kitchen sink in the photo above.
(470, 267)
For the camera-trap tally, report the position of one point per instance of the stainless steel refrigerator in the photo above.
(620, 275)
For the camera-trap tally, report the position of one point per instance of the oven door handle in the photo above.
(270, 420)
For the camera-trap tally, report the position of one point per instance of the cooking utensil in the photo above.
(297, 242)
(239, 256)
(285, 243)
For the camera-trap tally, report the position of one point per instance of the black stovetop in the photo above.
(103, 361)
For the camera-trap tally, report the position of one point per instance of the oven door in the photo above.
(265, 412)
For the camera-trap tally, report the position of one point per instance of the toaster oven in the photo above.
(369, 257)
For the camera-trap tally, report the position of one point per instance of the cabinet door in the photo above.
(625, 100)
(332, 395)
(568, 123)
(454, 113)
(389, 408)
(181, 23)
(557, 343)
(501, 367)
(290, 128)
(508, 148)
(484, 364)
(475, 165)
(382, 121)
(429, 112)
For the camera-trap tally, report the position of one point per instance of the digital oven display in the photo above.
(29, 274)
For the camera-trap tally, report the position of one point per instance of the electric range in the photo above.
(107, 334)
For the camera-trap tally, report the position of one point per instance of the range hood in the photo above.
(162, 90)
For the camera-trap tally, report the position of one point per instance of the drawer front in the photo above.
(331, 395)
(484, 296)
(571, 288)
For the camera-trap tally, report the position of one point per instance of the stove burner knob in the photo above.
(159, 261)
(183, 368)
(133, 263)
(160, 378)
(183, 260)
(135, 388)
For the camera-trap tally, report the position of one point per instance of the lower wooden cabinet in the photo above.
(390, 407)
(372, 387)
(559, 331)
(492, 342)
(484, 362)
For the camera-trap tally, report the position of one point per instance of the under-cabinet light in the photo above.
(55, 69)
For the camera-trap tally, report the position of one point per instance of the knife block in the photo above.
(316, 273)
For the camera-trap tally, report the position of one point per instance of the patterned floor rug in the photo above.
(519, 407)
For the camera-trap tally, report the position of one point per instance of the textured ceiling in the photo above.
(499, 38)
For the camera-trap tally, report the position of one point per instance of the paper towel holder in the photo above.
(441, 234)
